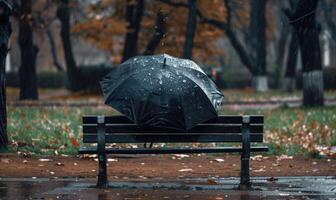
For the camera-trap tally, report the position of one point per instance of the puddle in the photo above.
(225, 188)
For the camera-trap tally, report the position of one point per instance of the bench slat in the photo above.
(93, 150)
(113, 138)
(222, 119)
(131, 128)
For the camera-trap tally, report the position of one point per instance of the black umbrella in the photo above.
(162, 91)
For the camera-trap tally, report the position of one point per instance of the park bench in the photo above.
(119, 129)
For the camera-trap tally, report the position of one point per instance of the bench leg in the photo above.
(102, 174)
(245, 156)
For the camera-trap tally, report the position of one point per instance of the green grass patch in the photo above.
(291, 131)
(249, 94)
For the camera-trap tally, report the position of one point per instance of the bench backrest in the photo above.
(120, 129)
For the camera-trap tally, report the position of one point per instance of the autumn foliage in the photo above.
(106, 27)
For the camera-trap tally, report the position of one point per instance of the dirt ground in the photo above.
(163, 166)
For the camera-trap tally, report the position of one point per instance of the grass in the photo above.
(298, 131)
(248, 94)
(291, 131)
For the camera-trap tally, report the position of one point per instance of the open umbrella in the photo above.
(162, 91)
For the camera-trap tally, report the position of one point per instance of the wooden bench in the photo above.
(119, 129)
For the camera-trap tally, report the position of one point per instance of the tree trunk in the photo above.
(259, 83)
(258, 41)
(304, 22)
(5, 32)
(134, 17)
(63, 14)
(27, 70)
(281, 49)
(160, 30)
(191, 29)
(313, 88)
(293, 51)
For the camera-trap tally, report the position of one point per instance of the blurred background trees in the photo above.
(243, 43)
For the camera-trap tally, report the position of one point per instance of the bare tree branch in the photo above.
(53, 50)
(227, 27)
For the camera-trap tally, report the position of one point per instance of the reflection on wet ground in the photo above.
(226, 188)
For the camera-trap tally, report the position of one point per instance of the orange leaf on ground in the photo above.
(74, 142)
(313, 125)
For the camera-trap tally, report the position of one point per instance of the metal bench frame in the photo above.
(119, 129)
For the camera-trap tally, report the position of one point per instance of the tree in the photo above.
(258, 43)
(303, 19)
(27, 70)
(160, 30)
(134, 13)
(292, 56)
(191, 29)
(5, 32)
(255, 62)
(63, 14)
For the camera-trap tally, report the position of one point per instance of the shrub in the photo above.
(52, 80)
(89, 78)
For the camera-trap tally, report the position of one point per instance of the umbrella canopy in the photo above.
(162, 91)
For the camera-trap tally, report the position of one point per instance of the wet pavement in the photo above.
(224, 188)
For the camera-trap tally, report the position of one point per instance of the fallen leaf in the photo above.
(259, 170)
(219, 160)
(272, 179)
(313, 124)
(284, 157)
(45, 160)
(181, 155)
(74, 142)
(257, 157)
(276, 164)
(185, 170)
(211, 182)
(59, 164)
